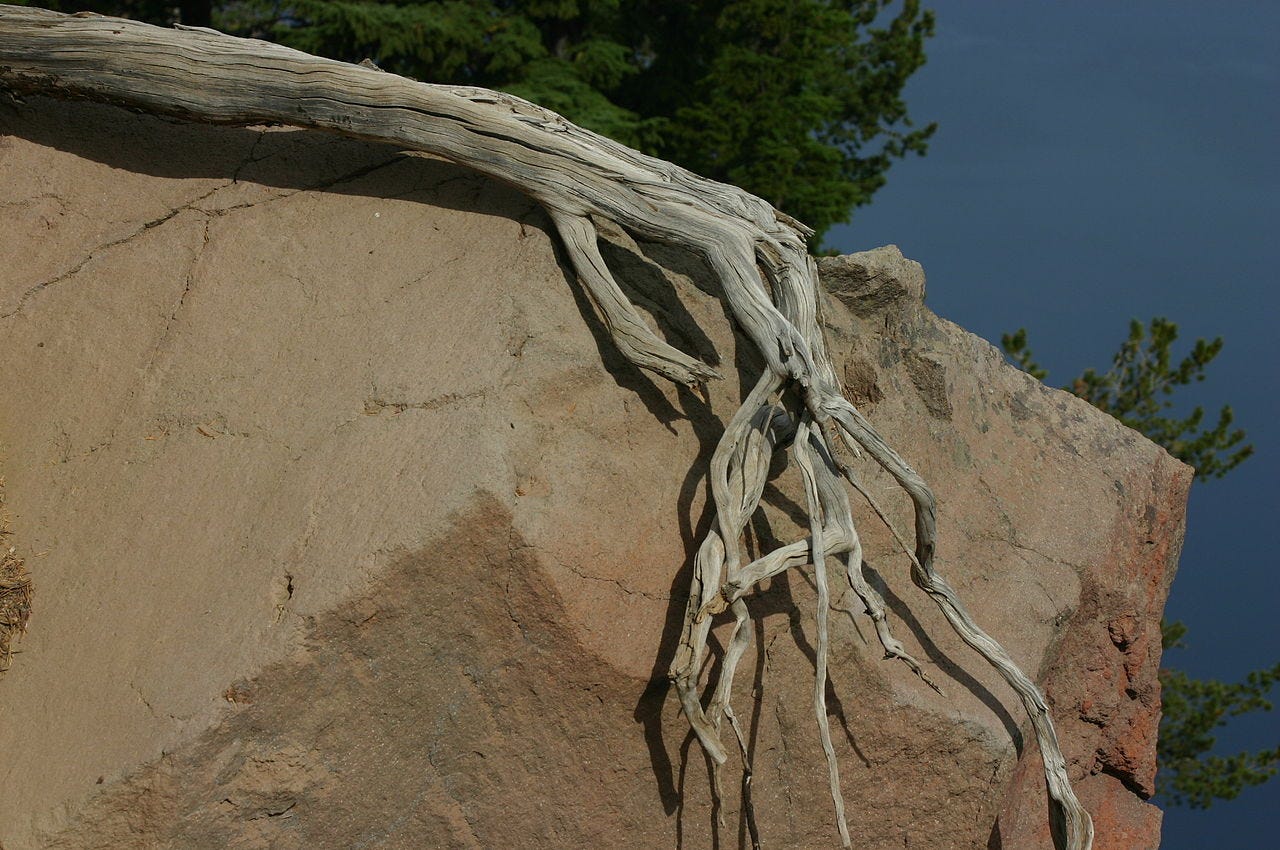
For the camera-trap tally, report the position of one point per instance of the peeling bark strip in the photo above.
(759, 254)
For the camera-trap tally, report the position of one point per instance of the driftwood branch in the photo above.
(770, 284)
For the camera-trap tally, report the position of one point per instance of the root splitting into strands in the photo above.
(759, 255)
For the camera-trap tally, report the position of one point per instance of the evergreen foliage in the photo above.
(1015, 345)
(1193, 710)
(1136, 390)
(796, 101)
(162, 12)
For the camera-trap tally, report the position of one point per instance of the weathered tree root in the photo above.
(577, 176)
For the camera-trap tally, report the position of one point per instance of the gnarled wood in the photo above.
(759, 254)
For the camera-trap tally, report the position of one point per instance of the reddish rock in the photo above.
(355, 531)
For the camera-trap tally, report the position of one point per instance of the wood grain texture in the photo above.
(769, 281)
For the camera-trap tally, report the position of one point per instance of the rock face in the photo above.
(339, 509)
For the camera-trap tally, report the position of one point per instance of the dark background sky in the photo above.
(1102, 161)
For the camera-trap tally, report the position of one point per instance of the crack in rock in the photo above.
(36, 289)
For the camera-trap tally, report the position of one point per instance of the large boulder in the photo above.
(348, 527)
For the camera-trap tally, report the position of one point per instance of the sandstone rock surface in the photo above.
(339, 507)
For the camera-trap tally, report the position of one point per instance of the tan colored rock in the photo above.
(345, 499)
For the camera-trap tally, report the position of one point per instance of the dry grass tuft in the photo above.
(15, 591)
